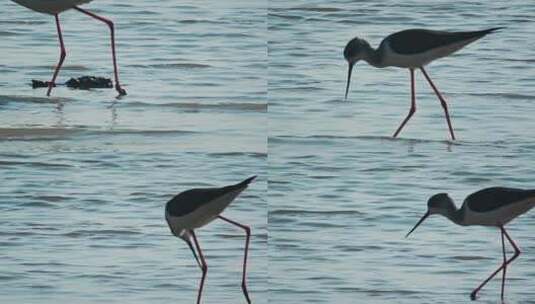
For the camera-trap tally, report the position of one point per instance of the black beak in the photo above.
(351, 64)
(419, 222)
(194, 253)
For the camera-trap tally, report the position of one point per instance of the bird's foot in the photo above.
(121, 91)
(473, 295)
(50, 85)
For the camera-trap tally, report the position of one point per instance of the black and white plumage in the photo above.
(195, 208)
(55, 7)
(494, 207)
(412, 49)
(51, 7)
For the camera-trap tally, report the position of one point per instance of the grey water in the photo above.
(85, 177)
(343, 194)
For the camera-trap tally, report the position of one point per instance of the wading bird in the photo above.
(412, 49)
(55, 7)
(494, 207)
(195, 208)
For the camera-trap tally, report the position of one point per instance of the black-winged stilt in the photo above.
(495, 207)
(195, 208)
(411, 49)
(55, 8)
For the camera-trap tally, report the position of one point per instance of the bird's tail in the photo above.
(491, 30)
(247, 181)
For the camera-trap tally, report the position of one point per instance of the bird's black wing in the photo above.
(416, 41)
(493, 198)
(189, 200)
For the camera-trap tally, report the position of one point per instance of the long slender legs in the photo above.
(413, 105)
(244, 275)
(62, 55)
(503, 266)
(120, 90)
(204, 266)
(442, 102)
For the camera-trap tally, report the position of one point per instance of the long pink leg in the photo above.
(442, 102)
(112, 29)
(204, 266)
(504, 265)
(413, 105)
(62, 55)
(244, 274)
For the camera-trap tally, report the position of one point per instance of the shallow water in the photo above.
(343, 194)
(85, 177)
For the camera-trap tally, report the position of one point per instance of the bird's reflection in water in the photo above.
(58, 109)
(113, 111)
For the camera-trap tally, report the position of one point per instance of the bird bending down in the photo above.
(494, 207)
(412, 49)
(55, 7)
(195, 208)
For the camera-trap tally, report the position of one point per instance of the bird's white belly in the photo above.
(391, 58)
(203, 215)
(500, 216)
(50, 6)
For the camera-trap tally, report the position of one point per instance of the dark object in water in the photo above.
(83, 83)
(40, 84)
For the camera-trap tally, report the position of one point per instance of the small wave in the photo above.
(37, 205)
(51, 198)
(107, 232)
(469, 258)
(194, 21)
(315, 212)
(227, 154)
(139, 132)
(255, 107)
(501, 95)
(291, 138)
(7, 33)
(316, 9)
(21, 22)
(35, 133)
(33, 164)
(31, 99)
(172, 66)
(99, 277)
(74, 67)
(289, 17)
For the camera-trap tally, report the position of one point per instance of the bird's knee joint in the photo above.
(109, 23)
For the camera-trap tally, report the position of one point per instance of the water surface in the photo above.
(85, 177)
(343, 194)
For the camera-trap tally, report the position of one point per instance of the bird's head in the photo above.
(439, 203)
(185, 235)
(355, 50)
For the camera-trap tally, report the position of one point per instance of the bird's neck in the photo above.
(455, 215)
(373, 56)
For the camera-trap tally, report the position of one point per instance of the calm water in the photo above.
(343, 194)
(85, 177)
